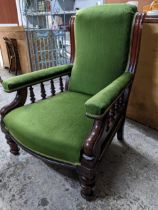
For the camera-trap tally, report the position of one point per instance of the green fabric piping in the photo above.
(47, 156)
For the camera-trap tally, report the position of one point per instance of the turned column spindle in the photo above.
(61, 84)
(124, 96)
(111, 116)
(32, 95)
(120, 102)
(108, 122)
(43, 91)
(52, 87)
(116, 106)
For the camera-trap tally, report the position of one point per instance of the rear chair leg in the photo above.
(14, 149)
(120, 132)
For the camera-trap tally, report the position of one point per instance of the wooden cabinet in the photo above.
(18, 33)
(143, 103)
(141, 3)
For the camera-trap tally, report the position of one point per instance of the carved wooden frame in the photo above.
(112, 121)
(104, 127)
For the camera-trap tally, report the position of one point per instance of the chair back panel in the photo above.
(102, 42)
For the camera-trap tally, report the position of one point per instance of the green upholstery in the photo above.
(102, 40)
(18, 82)
(55, 127)
(97, 104)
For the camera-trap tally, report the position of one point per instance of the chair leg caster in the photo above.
(87, 188)
(14, 149)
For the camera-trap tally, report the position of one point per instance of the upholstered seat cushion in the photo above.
(55, 127)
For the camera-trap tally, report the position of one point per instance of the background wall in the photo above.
(8, 12)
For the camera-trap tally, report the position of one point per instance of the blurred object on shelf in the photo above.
(152, 7)
(13, 55)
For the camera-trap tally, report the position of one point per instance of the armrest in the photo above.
(19, 82)
(97, 104)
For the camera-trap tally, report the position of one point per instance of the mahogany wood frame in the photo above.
(104, 127)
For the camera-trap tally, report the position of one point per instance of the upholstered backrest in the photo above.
(102, 42)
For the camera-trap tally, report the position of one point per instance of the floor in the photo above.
(127, 176)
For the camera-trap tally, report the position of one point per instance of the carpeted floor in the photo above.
(127, 176)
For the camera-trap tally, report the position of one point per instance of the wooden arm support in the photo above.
(106, 124)
(17, 102)
(22, 93)
(93, 137)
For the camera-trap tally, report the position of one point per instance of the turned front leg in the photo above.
(87, 187)
(14, 149)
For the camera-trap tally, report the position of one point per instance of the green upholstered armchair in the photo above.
(73, 128)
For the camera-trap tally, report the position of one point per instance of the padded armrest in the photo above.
(18, 82)
(97, 104)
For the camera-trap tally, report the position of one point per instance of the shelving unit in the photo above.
(48, 40)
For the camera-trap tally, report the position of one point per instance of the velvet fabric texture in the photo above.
(55, 127)
(18, 82)
(97, 104)
(102, 40)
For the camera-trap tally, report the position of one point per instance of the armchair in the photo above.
(75, 127)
